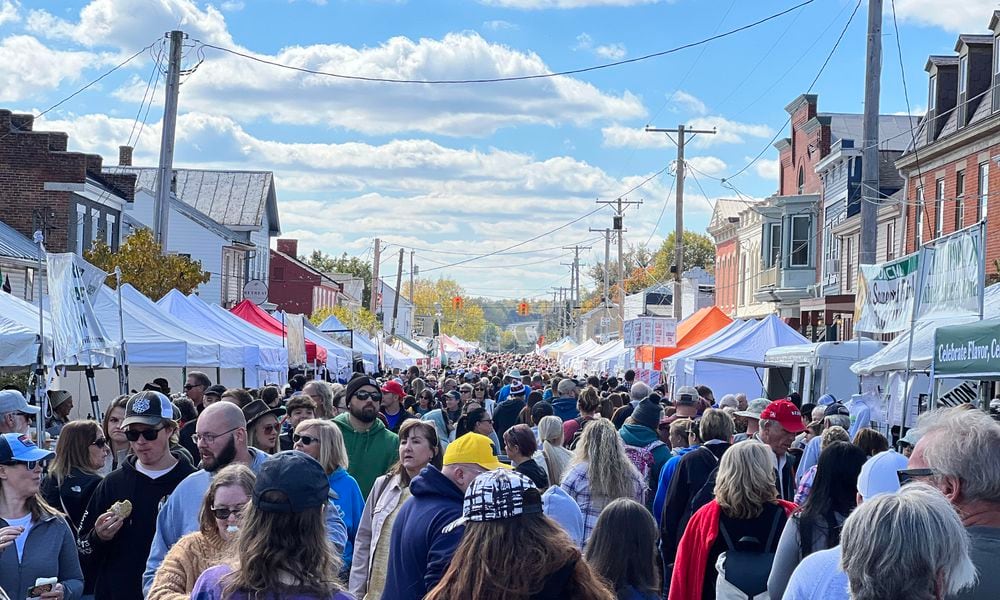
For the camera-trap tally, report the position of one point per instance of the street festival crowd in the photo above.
(500, 476)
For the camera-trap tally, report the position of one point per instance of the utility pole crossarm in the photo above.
(681, 132)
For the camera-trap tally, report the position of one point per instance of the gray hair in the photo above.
(838, 421)
(325, 393)
(566, 387)
(639, 391)
(716, 424)
(730, 401)
(896, 546)
(964, 444)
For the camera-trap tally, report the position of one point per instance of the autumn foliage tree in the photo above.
(467, 322)
(360, 319)
(144, 265)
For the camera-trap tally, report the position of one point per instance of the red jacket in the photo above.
(692, 553)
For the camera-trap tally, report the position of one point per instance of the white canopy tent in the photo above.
(339, 358)
(609, 358)
(566, 358)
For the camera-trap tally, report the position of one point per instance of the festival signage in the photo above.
(951, 280)
(650, 331)
(968, 351)
(295, 332)
(76, 332)
(886, 293)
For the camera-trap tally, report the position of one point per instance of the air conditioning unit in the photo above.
(833, 266)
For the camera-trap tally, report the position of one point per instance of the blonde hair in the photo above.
(557, 458)
(332, 451)
(745, 482)
(610, 473)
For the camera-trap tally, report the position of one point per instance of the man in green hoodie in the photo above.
(371, 448)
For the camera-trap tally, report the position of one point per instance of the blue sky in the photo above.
(469, 169)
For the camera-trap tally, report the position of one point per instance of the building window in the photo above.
(109, 232)
(918, 226)
(890, 240)
(963, 72)
(774, 245)
(81, 218)
(800, 240)
(984, 190)
(932, 100)
(233, 275)
(959, 200)
(938, 208)
(802, 179)
(849, 261)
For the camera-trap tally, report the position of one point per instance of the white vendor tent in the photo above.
(608, 358)
(338, 357)
(587, 346)
(19, 332)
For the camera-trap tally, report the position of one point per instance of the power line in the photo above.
(663, 209)
(513, 78)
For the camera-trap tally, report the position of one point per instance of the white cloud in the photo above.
(548, 4)
(689, 102)
(499, 25)
(709, 165)
(28, 68)
(619, 136)
(611, 51)
(766, 168)
(959, 17)
(232, 5)
(727, 132)
(9, 11)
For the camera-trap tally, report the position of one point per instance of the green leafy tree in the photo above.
(699, 251)
(343, 264)
(146, 267)
(360, 319)
(467, 322)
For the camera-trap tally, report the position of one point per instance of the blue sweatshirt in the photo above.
(350, 504)
(666, 474)
(420, 551)
(565, 409)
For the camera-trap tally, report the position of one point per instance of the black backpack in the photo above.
(579, 432)
(746, 570)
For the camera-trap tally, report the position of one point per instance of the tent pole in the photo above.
(41, 395)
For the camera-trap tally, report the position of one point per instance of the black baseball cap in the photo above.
(148, 408)
(296, 475)
(215, 390)
(836, 409)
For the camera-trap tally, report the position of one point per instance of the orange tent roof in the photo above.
(690, 331)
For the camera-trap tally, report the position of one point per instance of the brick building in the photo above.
(65, 194)
(297, 288)
(951, 173)
(723, 227)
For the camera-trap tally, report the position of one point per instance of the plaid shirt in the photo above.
(577, 485)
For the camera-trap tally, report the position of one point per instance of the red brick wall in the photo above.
(30, 159)
(726, 275)
(291, 286)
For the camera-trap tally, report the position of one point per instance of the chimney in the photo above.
(289, 247)
(125, 156)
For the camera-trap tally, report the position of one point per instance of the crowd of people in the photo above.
(499, 477)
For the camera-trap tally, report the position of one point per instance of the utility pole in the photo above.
(616, 222)
(165, 174)
(373, 300)
(869, 153)
(606, 319)
(398, 294)
(572, 286)
(411, 280)
(681, 132)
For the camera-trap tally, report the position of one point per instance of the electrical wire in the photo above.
(663, 209)
(512, 78)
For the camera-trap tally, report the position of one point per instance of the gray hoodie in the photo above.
(49, 551)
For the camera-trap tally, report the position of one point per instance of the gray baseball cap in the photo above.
(14, 401)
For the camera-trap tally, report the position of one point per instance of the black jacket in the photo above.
(185, 438)
(683, 497)
(72, 498)
(535, 473)
(505, 415)
(118, 564)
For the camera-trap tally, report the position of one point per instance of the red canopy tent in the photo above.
(253, 314)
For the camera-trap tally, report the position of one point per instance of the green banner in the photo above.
(969, 351)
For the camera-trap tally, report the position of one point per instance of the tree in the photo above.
(467, 322)
(360, 319)
(508, 341)
(352, 265)
(636, 260)
(144, 265)
(699, 251)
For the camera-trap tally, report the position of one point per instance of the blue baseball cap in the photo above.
(18, 447)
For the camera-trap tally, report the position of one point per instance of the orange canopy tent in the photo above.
(690, 331)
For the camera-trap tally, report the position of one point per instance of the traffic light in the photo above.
(522, 309)
(456, 303)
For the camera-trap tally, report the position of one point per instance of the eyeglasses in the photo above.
(908, 475)
(30, 464)
(209, 438)
(149, 435)
(100, 442)
(306, 440)
(224, 513)
(485, 420)
(376, 396)
(188, 386)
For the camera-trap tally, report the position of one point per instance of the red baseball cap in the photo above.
(393, 387)
(784, 412)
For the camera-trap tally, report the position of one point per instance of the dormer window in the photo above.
(996, 57)
(963, 73)
(932, 101)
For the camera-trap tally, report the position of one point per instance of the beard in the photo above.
(364, 414)
(226, 456)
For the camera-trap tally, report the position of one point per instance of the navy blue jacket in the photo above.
(419, 550)
(565, 409)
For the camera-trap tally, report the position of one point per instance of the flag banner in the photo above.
(296, 335)
(76, 332)
(886, 293)
(650, 331)
(951, 282)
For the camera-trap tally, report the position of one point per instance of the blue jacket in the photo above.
(420, 551)
(666, 473)
(563, 509)
(565, 409)
(639, 436)
(350, 504)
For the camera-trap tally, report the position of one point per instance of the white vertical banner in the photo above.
(296, 335)
(951, 281)
(76, 332)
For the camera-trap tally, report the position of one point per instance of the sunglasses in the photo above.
(188, 386)
(100, 442)
(306, 440)
(466, 391)
(30, 464)
(224, 513)
(149, 435)
(368, 395)
(270, 428)
(908, 475)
